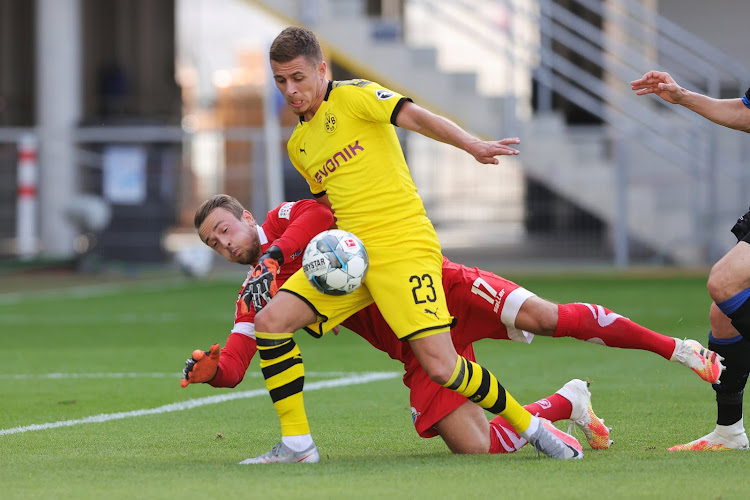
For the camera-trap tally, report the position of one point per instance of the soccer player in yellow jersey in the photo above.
(345, 146)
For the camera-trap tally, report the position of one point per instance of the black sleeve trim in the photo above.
(747, 94)
(448, 326)
(319, 195)
(398, 108)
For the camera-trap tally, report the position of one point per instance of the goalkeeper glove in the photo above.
(262, 284)
(201, 367)
(742, 227)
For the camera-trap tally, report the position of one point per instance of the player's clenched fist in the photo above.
(201, 367)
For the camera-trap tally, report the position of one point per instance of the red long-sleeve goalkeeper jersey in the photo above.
(290, 226)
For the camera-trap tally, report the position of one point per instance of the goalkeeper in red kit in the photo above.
(485, 306)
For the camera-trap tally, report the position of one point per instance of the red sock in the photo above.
(597, 324)
(553, 408)
(505, 439)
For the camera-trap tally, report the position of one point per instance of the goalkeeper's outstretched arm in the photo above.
(221, 367)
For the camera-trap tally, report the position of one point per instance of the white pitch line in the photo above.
(63, 376)
(195, 403)
(88, 291)
(175, 375)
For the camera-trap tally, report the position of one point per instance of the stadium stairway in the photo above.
(351, 38)
(665, 204)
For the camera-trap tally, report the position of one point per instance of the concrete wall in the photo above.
(722, 23)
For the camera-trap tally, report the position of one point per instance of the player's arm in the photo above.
(234, 360)
(322, 198)
(220, 367)
(299, 225)
(417, 119)
(731, 113)
(297, 222)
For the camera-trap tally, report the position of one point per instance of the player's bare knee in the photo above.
(439, 373)
(718, 283)
(262, 321)
(459, 448)
(465, 430)
(268, 320)
(721, 325)
(436, 355)
(730, 276)
(439, 368)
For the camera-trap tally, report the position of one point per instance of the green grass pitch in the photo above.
(118, 348)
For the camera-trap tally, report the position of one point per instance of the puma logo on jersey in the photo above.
(302, 149)
(434, 313)
(337, 160)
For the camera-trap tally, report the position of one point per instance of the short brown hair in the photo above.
(217, 201)
(295, 41)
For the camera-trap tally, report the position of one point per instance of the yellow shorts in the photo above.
(404, 279)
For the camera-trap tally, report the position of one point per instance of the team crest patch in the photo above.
(330, 123)
(286, 210)
(384, 94)
(414, 415)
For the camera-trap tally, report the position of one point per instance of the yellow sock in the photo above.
(284, 372)
(516, 415)
(477, 384)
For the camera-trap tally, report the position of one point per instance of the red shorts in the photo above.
(485, 306)
(431, 402)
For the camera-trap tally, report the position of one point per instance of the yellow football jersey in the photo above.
(349, 150)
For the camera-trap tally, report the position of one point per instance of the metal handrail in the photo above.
(686, 39)
(615, 108)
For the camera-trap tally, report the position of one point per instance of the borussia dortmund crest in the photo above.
(330, 123)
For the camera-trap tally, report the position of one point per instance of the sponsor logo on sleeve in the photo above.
(384, 94)
(286, 210)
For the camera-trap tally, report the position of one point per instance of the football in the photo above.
(335, 262)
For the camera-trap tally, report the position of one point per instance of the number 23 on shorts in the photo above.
(423, 289)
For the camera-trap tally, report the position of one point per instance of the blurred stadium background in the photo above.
(118, 117)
